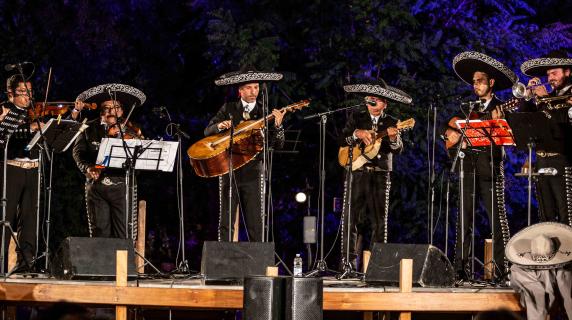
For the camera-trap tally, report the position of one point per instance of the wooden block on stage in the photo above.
(405, 282)
(140, 243)
(12, 255)
(121, 281)
(272, 271)
(488, 260)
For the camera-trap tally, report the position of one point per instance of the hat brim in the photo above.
(123, 93)
(237, 78)
(389, 92)
(519, 245)
(467, 63)
(538, 67)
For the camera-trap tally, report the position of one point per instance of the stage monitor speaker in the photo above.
(230, 262)
(264, 298)
(304, 298)
(91, 258)
(431, 268)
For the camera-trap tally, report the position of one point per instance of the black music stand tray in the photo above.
(58, 134)
(533, 130)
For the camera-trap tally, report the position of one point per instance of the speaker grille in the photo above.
(304, 299)
(264, 298)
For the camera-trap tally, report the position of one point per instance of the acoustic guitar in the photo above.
(453, 135)
(362, 153)
(210, 156)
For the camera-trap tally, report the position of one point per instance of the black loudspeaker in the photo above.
(431, 268)
(230, 262)
(91, 258)
(264, 298)
(304, 298)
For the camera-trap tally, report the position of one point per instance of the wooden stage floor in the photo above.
(192, 294)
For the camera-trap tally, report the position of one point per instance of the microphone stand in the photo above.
(321, 265)
(265, 163)
(230, 177)
(461, 155)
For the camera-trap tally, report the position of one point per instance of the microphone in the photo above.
(108, 90)
(10, 67)
(370, 102)
(548, 171)
(473, 103)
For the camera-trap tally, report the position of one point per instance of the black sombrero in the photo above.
(126, 94)
(379, 89)
(538, 67)
(246, 75)
(467, 63)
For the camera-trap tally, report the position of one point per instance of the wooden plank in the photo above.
(121, 281)
(405, 282)
(141, 233)
(209, 298)
(12, 255)
(488, 258)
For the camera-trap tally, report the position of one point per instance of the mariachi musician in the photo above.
(486, 75)
(105, 189)
(554, 192)
(247, 185)
(371, 182)
(21, 174)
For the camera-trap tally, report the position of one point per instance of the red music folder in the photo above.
(481, 133)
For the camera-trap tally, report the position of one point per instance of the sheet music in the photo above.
(155, 155)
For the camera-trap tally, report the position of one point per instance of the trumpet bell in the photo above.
(520, 91)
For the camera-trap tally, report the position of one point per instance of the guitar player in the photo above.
(370, 183)
(483, 168)
(247, 186)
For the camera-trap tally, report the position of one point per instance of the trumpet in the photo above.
(520, 90)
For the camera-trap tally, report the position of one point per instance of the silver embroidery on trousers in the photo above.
(501, 208)
(568, 190)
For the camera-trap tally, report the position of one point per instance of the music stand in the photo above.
(56, 136)
(131, 155)
(533, 130)
(483, 133)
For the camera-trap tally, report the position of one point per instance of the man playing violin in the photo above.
(21, 176)
(247, 190)
(483, 168)
(105, 187)
(554, 192)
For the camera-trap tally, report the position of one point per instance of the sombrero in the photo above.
(379, 89)
(538, 67)
(126, 94)
(543, 245)
(246, 75)
(467, 63)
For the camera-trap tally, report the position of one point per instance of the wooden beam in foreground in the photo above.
(209, 298)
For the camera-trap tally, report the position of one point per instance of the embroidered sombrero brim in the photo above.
(467, 63)
(518, 247)
(538, 67)
(126, 94)
(389, 92)
(235, 78)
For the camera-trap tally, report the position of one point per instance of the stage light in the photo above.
(301, 197)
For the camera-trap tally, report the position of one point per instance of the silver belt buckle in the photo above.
(107, 182)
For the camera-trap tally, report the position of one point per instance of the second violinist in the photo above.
(105, 188)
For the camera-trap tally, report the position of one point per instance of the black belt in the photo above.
(370, 169)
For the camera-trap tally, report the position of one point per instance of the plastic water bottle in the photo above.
(297, 265)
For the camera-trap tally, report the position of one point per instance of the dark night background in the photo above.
(173, 50)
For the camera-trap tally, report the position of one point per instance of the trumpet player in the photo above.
(554, 192)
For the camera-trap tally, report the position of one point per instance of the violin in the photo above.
(129, 129)
(55, 108)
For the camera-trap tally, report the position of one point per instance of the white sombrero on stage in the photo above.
(543, 245)
(247, 75)
(126, 94)
(379, 89)
(467, 63)
(538, 67)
